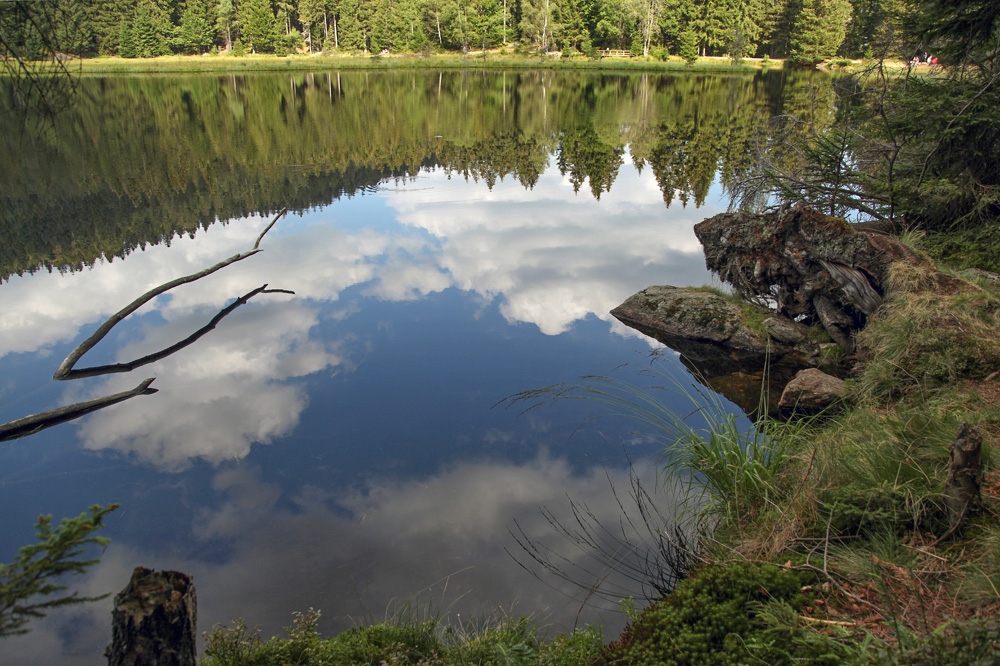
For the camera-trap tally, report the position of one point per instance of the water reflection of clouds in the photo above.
(547, 254)
(221, 395)
(548, 251)
(329, 548)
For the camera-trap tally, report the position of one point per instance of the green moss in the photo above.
(711, 618)
(972, 643)
(503, 640)
(751, 315)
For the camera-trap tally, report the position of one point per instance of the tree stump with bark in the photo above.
(809, 266)
(154, 621)
(965, 474)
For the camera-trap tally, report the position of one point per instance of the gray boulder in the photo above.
(717, 341)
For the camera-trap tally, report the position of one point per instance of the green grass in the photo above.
(251, 63)
(935, 331)
(501, 640)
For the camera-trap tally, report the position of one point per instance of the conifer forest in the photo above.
(804, 30)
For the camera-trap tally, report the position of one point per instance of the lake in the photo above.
(452, 238)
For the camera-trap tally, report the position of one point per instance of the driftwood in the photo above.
(154, 621)
(32, 424)
(66, 369)
(965, 474)
(70, 373)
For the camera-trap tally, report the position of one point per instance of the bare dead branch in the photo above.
(32, 424)
(163, 353)
(66, 371)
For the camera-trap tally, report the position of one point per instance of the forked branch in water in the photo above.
(66, 369)
(163, 353)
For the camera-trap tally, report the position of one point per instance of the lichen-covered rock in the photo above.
(812, 266)
(811, 391)
(715, 341)
(690, 314)
(782, 329)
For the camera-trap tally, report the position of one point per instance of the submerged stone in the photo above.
(717, 340)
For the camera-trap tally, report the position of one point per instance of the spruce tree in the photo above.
(31, 584)
(150, 30)
(259, 26)
(196, 33)
(126, 40)
(819, 31)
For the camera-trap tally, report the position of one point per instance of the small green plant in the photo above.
(237, 645)
(239, 49)
(578, 648)
(33, 576)
(628, 607)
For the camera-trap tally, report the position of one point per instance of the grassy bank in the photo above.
(473, 60)
(853, 550)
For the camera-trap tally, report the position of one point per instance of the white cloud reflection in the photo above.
(354, 552)
(551, 255)
(219, 396)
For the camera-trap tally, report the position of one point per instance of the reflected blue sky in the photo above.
(339, 448)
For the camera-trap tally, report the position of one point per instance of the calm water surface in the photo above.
(453, 239)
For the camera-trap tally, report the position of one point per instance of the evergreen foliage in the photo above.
(734, 28)
(819, 30)
(151, 30)
(197, 29)
(27, 582)
(259, 26)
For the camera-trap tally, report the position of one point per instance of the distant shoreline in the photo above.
(472, 60)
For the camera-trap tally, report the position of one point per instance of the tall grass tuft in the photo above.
(727, 465)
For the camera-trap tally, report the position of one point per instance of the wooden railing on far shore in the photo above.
(615, 53)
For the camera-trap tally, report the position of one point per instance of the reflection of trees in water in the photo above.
(141, 159)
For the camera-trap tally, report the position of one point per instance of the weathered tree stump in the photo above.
(154, 620)
(965, 474)
(810, 266)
